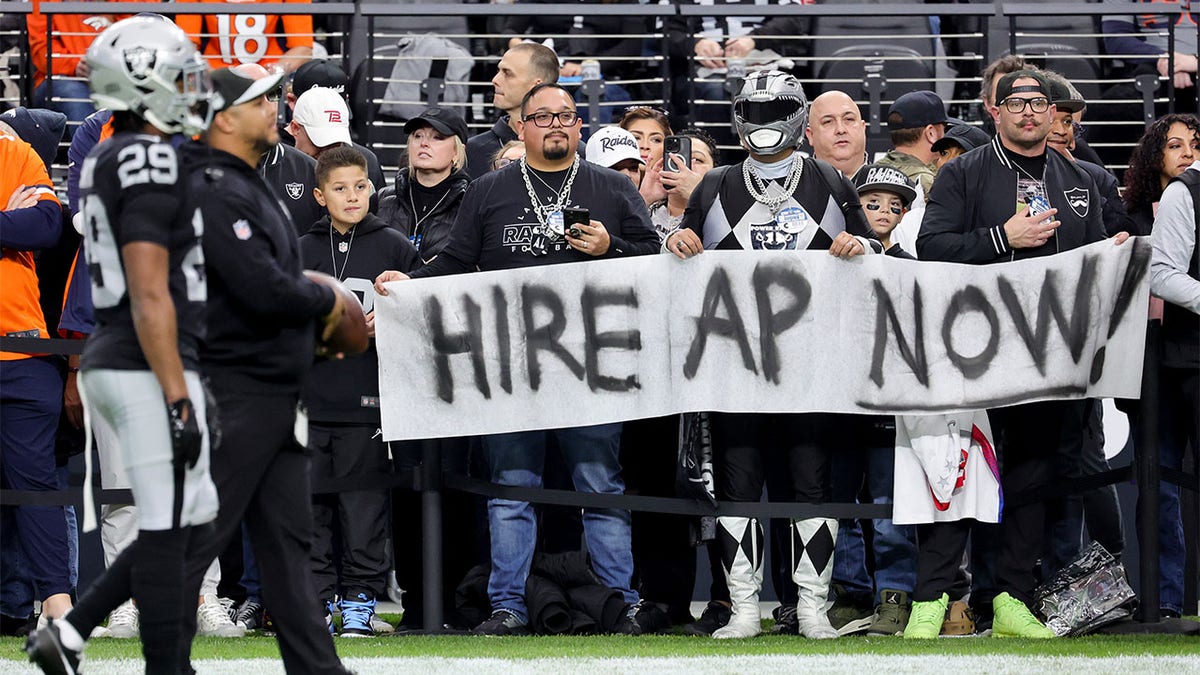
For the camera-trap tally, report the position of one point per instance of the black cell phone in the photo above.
(572, 218)
(677, 145)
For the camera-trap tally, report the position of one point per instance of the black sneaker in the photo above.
(12, 626)
(249, 615)
(715, 616)
(45, 648)
(983, 617)
(786, 622)
(643, 618)
(502, 622)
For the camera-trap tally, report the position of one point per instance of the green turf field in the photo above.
(611, 646)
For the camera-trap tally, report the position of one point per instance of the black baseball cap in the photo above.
(230, 88)
(319, 73)
(1061, 96)
(964, 136)
(1005, 88)
(444, 120)
(917, 109)
(885, 178)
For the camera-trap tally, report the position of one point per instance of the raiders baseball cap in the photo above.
(917, 109)
(1005, 88)
(444, 120)
(319, 73)
(964, 136)
(884, 178)
(612, 145)
(230, 88)
(323, 114)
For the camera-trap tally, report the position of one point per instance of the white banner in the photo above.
(743, 331)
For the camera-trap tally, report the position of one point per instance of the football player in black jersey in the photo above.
(139, 370)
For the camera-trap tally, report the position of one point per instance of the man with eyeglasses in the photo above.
(510, 218)
(1007, 201)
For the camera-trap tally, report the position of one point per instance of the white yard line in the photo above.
(851, 664)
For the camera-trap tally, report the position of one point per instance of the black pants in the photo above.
(263, 476)
(1029, 437)
(741, 443)
(664, 559)
(340, 450)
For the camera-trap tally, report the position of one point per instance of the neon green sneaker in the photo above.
(1013, 619)
(925, 620)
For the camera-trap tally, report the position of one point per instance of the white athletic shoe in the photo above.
(123, 622)
(380, 626)
(212, 620)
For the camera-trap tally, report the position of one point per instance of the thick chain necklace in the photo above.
(562, 195)
(757, 187)
(341, 276)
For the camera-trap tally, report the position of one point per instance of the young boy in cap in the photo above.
(885, 194)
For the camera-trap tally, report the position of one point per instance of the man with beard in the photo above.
(970, 219)
(261, 315)
(511, 218)
(775, 200)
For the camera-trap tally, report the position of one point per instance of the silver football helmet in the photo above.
(770, 111)
(147, 65)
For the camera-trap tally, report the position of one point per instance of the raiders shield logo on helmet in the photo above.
(139, 62)
(1079, 199)
(295, 190)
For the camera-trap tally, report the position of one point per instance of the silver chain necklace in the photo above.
(341, 276)
(757, 187)
(416, 231)
(563, 196)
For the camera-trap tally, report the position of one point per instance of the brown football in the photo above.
(350, 336)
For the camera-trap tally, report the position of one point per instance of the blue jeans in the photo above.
(249, 581)
(517, 459)
(895, 545)
(76, 106)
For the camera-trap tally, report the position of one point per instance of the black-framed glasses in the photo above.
(894, 209)
(544, 119)
(1016, 106)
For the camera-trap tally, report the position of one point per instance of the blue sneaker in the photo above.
(357, 613)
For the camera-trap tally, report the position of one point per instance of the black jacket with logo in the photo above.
(261, 309)
(346, 390)
(293, 175)
(975, 194)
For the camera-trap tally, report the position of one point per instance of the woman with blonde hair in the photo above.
(423, 202)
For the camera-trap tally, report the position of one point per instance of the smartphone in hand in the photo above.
(677, 145)
(573, 218)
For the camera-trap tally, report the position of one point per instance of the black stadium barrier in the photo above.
(431, 481)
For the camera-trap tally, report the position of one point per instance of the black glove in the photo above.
(185, 434)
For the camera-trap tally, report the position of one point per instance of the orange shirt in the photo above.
(234, 39)
(73, 34)
(20, 309)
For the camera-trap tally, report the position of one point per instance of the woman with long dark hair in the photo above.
(1165, 150)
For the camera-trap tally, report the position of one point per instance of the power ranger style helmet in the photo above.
(770, 111)
(147, 65)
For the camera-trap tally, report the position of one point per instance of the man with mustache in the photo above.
(1008, 201)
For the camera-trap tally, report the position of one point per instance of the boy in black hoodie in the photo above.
(342, 395)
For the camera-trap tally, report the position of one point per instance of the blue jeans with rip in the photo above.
(517, 459)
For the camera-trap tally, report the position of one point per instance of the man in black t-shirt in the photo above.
(139, 370)
(513, 218)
